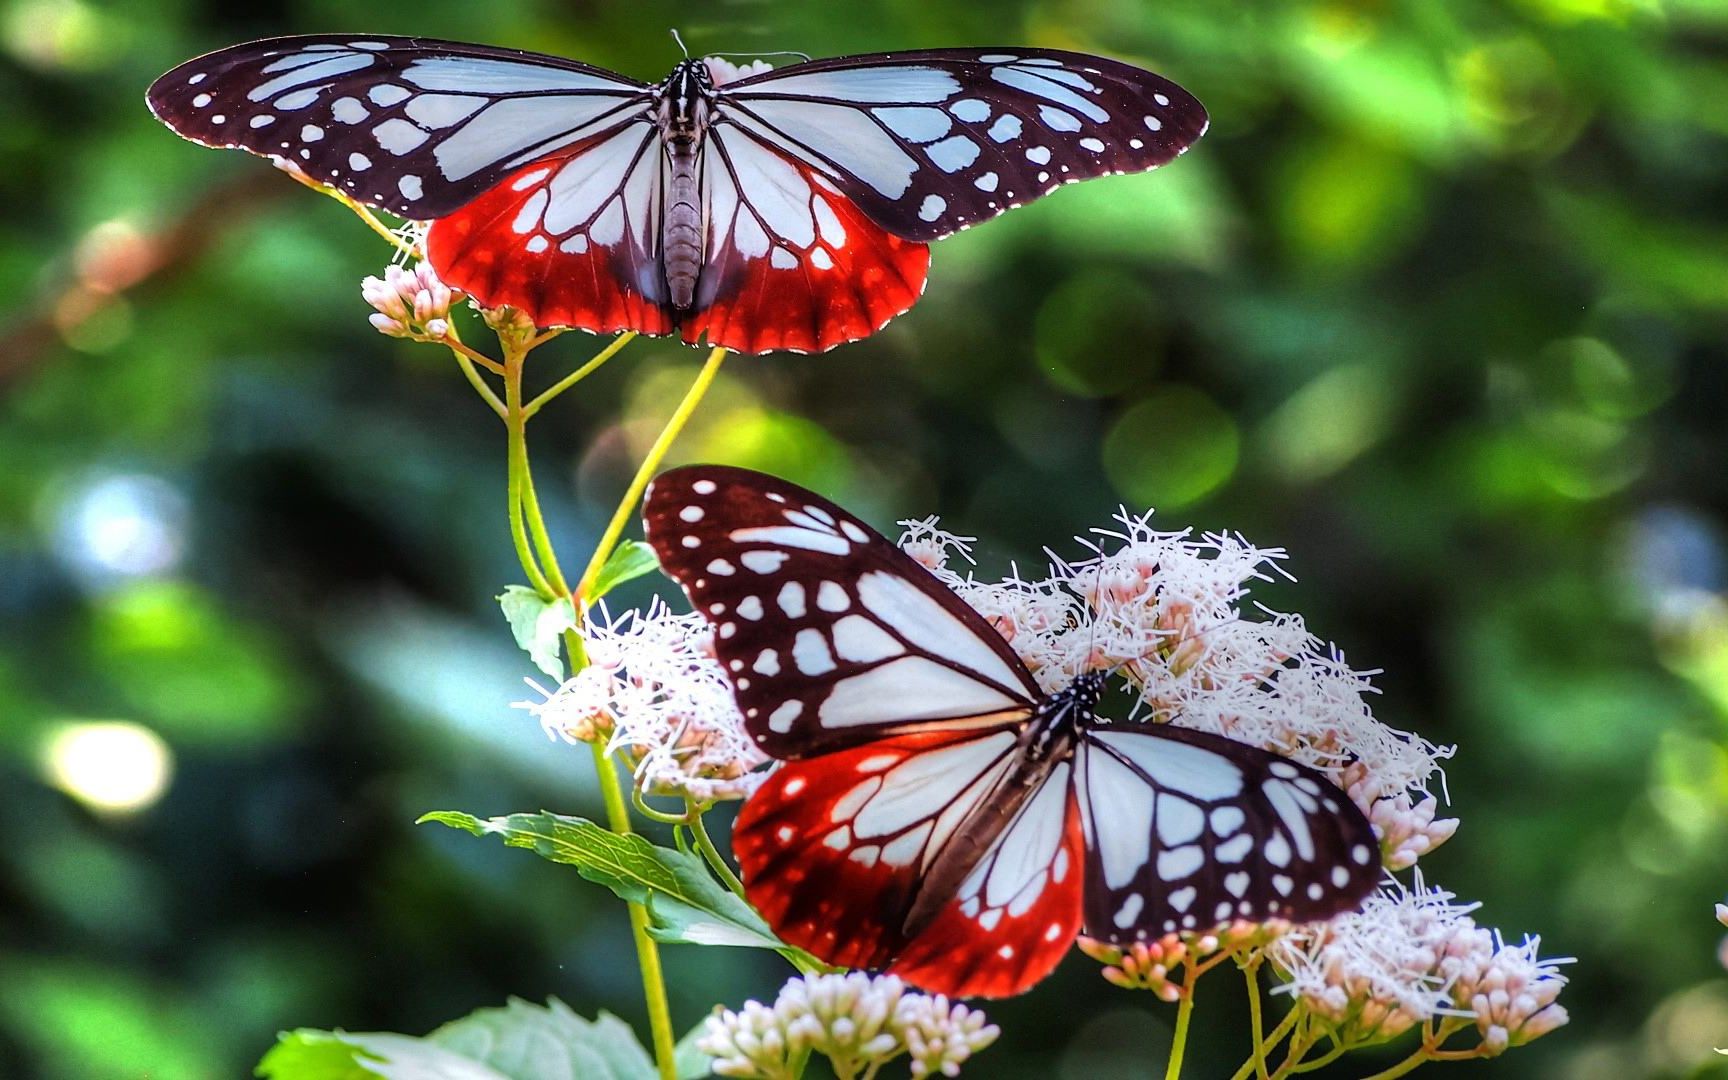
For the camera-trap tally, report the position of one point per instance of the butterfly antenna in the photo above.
(680, 40)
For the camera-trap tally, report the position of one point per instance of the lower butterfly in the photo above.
(755, 209)
(936, 814)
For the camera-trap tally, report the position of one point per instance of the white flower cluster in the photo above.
(724, 71)
(856, 1021)
(1166, 609)
(1160, 965)
(1410, 956)
(654, 690)
(411, 304)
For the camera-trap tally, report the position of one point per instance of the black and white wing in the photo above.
(1186, 830)
(934, 141)
(832, 636)
(415, 126)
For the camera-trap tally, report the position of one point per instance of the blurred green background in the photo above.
(1439, 305)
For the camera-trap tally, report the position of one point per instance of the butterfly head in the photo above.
(1087, 690)
(683, 102)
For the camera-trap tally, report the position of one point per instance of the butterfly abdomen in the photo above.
(683, 235)
(683, 119)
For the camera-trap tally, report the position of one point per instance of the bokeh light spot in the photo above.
(1329, 423)
(111, 766)
(1098, 333)
(1172, 449)
(115, 526)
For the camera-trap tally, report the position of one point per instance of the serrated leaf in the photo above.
(538, 625)
(526, 1041)
(376, 1055)
(686, 904)
(520, 1041)
(628, 561)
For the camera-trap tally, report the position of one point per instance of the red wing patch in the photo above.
(1017, 914)
(833, 849)
(792, 263)
(572, 240)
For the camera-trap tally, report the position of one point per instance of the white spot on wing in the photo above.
(971, 110)
(762, 562)
(348, 110)
(780, 720)
(916, 124)
(831, 596)
(793, 537)
(810, 654)
(1178, 863)
(398, 136)
(1129, 911)
(388, 94)
(1006, 127)
(861, 641)
(954, 153)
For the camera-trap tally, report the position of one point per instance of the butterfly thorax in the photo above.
(1047, 739)
(682, 111)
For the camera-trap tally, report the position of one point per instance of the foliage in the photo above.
(1438, 303)
(517, 1042)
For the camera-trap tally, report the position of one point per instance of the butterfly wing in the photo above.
(791, 262)
(1187, 830)
(416, 127)
(832, 636)
(930, 142)
(542, 175)
(835, 849)
(573, 239)
(1016, 915)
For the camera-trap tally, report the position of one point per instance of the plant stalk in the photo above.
(645, 473)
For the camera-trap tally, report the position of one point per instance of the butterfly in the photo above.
(786, 209)
(935, 813)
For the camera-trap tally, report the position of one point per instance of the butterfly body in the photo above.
(1048, 737)
(936, 813)
(685, 102)
(758, 210)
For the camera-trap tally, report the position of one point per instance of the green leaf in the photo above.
(520, 1041)
(629, 561)
(377, 1055)
(527, 1042)
(538, 625)
(689, 1060)
(686, 904)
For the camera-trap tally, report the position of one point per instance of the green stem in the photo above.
(365, 214)
(1323, 1060)
(706, 845)
(647, 951)
(579, 374)
(1300, 1043)
(1184, 1014)
(466, 362)
(617, 811)
(650, 465)
(641, 804)
(517, 454)
(1408, 1065)
(1265, 1045)
(525, 519)
(1256, 1023)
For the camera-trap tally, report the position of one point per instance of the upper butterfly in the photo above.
(937, 814)
(785, 210)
